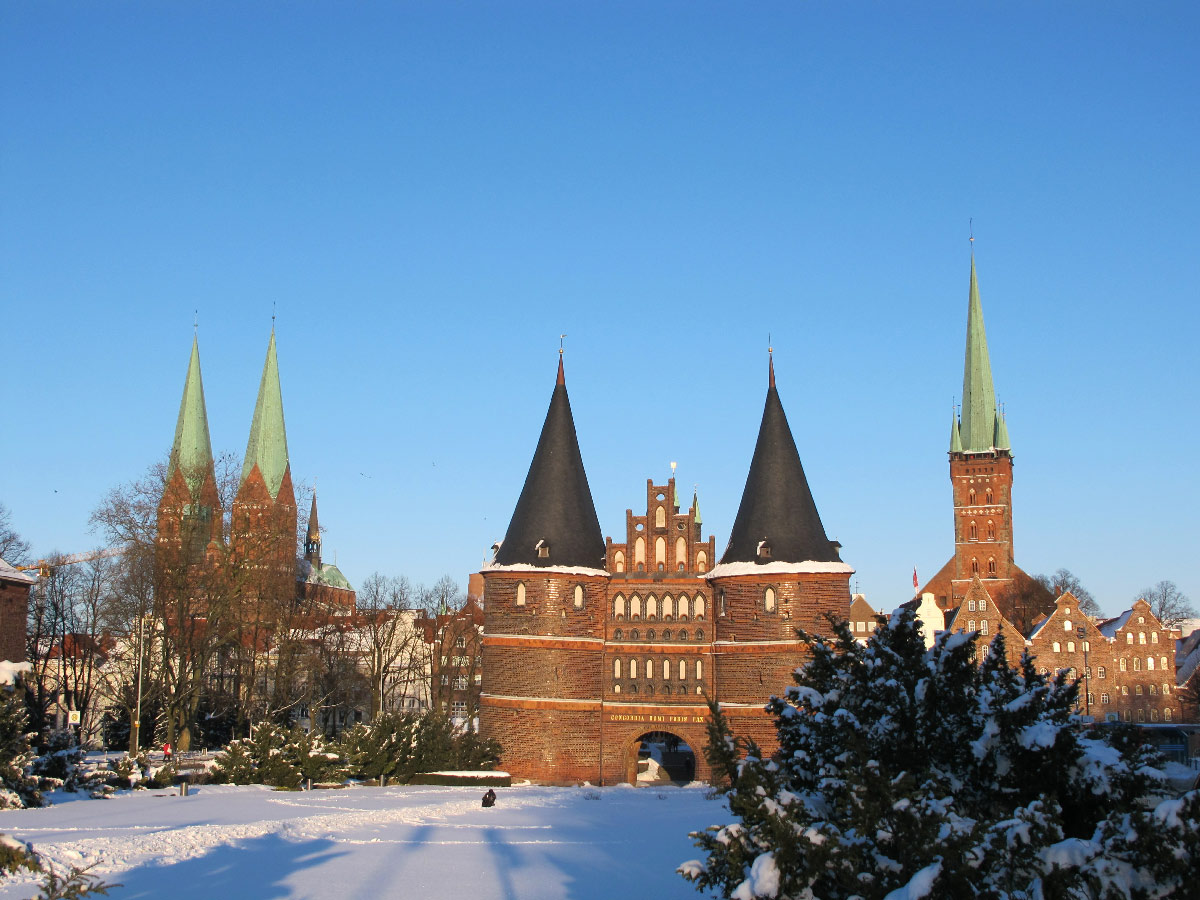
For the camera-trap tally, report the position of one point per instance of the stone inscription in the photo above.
(675, 720)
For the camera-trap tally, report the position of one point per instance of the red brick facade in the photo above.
(578, 666)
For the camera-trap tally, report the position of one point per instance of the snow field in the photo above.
(252, 843)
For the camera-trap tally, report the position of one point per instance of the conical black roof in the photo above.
(777, 505)
(555, 509)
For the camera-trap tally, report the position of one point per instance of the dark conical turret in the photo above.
(777, 520)
(312, 537)
(555, 521)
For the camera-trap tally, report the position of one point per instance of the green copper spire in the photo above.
(192, 450)
(1001, 440)
(978, 426)
(696, 507)
(955, 437)
(267, 447)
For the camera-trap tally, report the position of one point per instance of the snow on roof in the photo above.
(548, 570)
(727, 570)
(1037, 629)
(1186, 667)
(1110, 627)
(11, 573)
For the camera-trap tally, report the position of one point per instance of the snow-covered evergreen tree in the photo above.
(18, 787)
(905, 773)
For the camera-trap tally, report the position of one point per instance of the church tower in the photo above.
(544, 603)
(189, 512)
(264, 509)
(312, 537)
(779, 572)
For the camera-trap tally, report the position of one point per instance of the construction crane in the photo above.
(43, 566)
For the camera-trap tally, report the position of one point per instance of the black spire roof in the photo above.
(777, 506)
(555, 521)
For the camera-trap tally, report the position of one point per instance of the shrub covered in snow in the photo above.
(18, 787)
(905, 773)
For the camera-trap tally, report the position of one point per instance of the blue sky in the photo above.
(430, 193)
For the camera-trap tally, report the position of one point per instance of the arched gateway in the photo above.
(585, 655)
(661, 757)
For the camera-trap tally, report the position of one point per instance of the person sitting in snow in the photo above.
(489, 799)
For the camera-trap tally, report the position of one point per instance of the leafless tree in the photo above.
(1169, 604)
(14, 549)
(1063, 581)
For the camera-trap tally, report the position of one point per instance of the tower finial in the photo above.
(195, 322)
(562, 379)
(971, 232)
(272, 317)
(770, 362)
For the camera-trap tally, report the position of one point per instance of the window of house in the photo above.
(701, 561)
(1123, 666)
(983, 627)
(1057, 647)
(1137, 664)
(649, 634)
(458, 709)
(666, 634)
(478, 678)
(971, 605)
(1125, 715)
(1087, 646)
(683, 634)
(1129, 637)
(616, 668)
(699, 669)
(699, 634)
(971, 497)
(633, 668)
(579, 596)
(991, 531)
(1141, 637)
(616, 689)
(1103, 672)
(1149, 663)
(721, 602)
(683, 670)
(1070, 646)
(666, 669)
(1124, 690)
(769, 599)
(660, 517)
(1141, 715)
(989, 497)
(1152, 690)
(660, 553)
(1091, 699)
(1162, 663)
(633, 635)
(982, 604)
(639, 553)
(991, 566)
(649, 668)
(1104, 698)
(971, 625)
(460, 683)
(1154, 637)
(974, 567)
(618, 634)
(1166, 688)
(1141, 620)
(460, 641)
(521, 593)
(680, 554)
(1066, 624)
(1167, 714)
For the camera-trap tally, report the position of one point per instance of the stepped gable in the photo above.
(555, 522)
(777, 506)
(191, 451)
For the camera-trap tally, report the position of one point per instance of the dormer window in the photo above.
(542, 548)
(764, 549)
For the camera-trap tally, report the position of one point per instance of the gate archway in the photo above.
(659, 757)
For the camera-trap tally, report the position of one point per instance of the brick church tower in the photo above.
(189, 511)
(263, 530)
(981, 476)
(590, 645)
(779, 572)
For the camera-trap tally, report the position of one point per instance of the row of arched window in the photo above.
(973, 530)
(1141, 637)
(577, 595)
(1137, 664)
(991, 566)
(972, 497)
(652, 635)
(652, 670)
(660, 556)
(680, 608)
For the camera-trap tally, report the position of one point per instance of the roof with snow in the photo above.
(1110, 627)
(11, 573)
(555, 522)
(326, 574)
(1187, 657)
(777, 506)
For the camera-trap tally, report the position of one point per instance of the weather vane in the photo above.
(971, 231)
(560, 344)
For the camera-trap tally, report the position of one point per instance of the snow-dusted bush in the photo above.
(263, 758)
(399, 745)
(18, 787)
(905, 773)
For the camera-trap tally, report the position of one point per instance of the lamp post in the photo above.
(1087, 673)
(135, 730)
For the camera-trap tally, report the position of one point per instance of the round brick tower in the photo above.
(544, 616)
(779, 573)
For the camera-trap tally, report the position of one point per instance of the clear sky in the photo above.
(430, 193)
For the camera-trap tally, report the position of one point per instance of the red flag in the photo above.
(916, 583)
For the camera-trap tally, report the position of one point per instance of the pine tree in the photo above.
(18, 787)
(926, 773)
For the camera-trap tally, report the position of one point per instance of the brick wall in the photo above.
(14, 610)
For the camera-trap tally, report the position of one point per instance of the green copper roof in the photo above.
(268, 438)
(1001, 440)
(192, 450)
(955, 438)
(332, 576)
(978, 426)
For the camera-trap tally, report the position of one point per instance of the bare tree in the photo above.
(453, 633)
(1063, 581)
(1169, 604)
(389, 644)
(14, 549)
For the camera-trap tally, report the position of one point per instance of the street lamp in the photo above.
(1087, 673)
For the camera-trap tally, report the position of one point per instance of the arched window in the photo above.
(991, 530)
(972, 532)
(1163, 663)
(579, 596)
(649, 634)
(699, 634)
(660, 518)
(1070, 646)
(633, 668)
(989, 497)
(639, 553)
(1103, 672)
(992, 567)
(1138, 690)
(660, 552)
(722, 602)
(619, 606)
(1124, 666)
(698, 607)
(1167, 714)
(1150, 663)
(666, 634)
(1066, 624)
(699, 669)
(971, 625)
(619, 561)
(974, 566)
(701, 561)
(1141, 637)
(1154, 637)
(666, 668)
(520, 593)
(616, 689)
(983, 627)
(1166, 689)
(1137, 664)
(649, 668)
(1057, 647)
(971, 497)
(617, 635)
(651, 607)
(668, 608)
(769, 599)
(982, 604)
(681, 608)
(1104, 698)
(680, 554)
(666, 689)
(1129, 637)
(683, 670)
(634, 635)
(1124, 690)
(616, 668)
(635, 607)
(971, 605)
(683, 634)
(1153, 690)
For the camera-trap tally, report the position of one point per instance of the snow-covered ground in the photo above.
(253, 843)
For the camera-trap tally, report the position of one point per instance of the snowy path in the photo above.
(251, 843)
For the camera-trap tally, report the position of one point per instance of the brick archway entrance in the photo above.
(659, 757)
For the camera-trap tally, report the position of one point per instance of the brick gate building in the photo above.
(590, 643)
